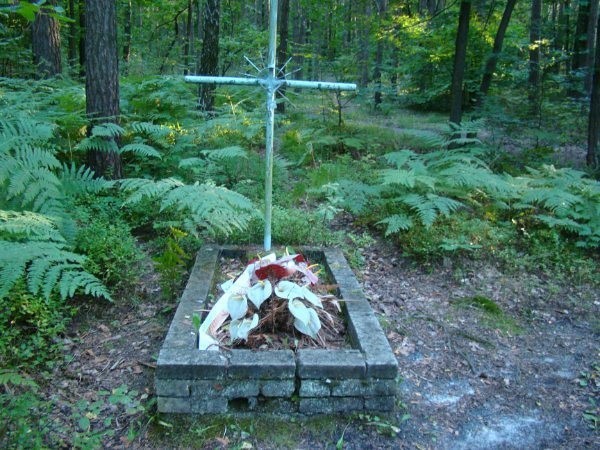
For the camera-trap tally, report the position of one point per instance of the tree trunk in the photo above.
(364, 45)
(127, 35)
(282, 47)
(82, 38)
(72, 36)
(102, 78)
(209, 57)
(490, 65)
(535, 35)
(189, 39)
(460, 59)
(590, 47)
(579, 42)
(592, 157)
(299, 39)
(45, 42)
(377, 98)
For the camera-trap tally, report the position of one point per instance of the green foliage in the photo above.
(112, 252)
(172, 262)
(206, 206)
(290, 226)
(28, 326)
(22, 412)
(159, 100)
(36, 225)
(563, 199)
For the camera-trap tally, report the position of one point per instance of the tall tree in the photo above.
(72, 36)
(590, 44)
(127, 34)
(364, 45)
(490, 65)
(81, 38)
(282, 46)
(102, 79)
(209, 56)
(189, 37)
(535, 36)
(460, 61)
(45, 42)
(580, 40)
(381, 9)
(593, 154)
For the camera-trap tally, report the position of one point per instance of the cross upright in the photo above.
(271, 84)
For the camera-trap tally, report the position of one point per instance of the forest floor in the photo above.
(488, 358)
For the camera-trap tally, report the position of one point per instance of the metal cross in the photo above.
(271, 84)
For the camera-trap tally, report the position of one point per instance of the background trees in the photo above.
(530, 59)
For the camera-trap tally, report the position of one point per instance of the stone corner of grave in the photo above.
(310, 381)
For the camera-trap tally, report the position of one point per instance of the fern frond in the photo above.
(107, 129)
(429, 206)
(399, 158)
(140, 149)
(33, 226)
(212, 207)
(356, 196)
(75, 180)
(143, 187)
(46, 266)
(97, 143)
(402, 177)
(153, 131)
(396, 223)
(233, 152)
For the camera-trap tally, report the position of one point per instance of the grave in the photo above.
(310, 381)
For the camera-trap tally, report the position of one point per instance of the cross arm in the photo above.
(276, 83)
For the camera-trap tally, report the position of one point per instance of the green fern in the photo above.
(76, 180)
(227, 153)
(29, 225)
(97, 143)
(47, 267)
(209, 207)
(140, 149)
(107, 129)
(429, 206)
(396, 223)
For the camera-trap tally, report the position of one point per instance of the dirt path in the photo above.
(471, 376)
(476, 379)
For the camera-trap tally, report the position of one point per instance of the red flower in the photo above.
(299, 259)
(272, 270)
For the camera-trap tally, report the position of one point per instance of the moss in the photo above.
(491, 314)
(265, 431)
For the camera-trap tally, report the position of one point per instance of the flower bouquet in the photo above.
(275, 294)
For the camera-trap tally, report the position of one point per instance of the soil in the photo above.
(488, 358)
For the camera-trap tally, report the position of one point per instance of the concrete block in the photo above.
(363, 387)
(325, 363)
(172, 388)
(328, 405)
(190, 364)
(278, 388)
(386, 403)
(174, 405)
(209, 405)
(270, 365)
(315, 388)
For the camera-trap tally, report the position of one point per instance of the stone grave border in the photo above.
(310, 381)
